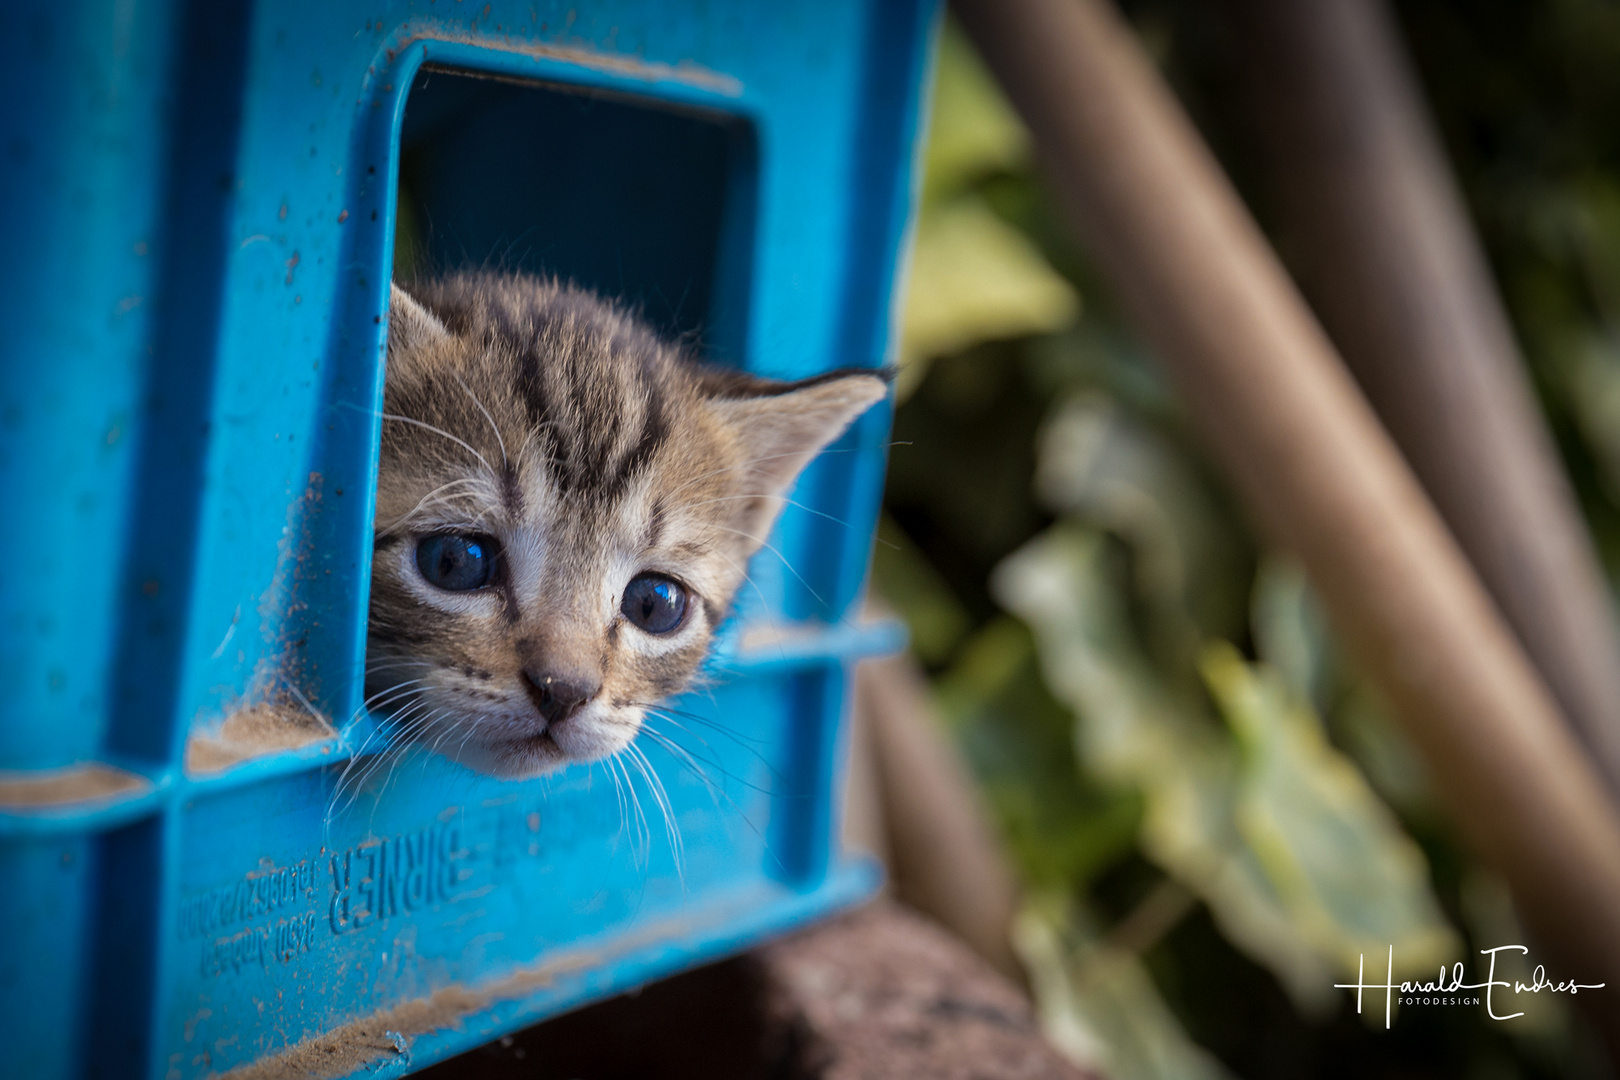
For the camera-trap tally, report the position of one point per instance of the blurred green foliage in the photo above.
(974, 276)
(1213, 817)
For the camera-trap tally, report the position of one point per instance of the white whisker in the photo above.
(492, 425)
(438, 431)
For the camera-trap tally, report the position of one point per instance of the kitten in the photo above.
(565, 507)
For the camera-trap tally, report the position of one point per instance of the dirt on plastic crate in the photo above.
(78, 783)
(253, 732)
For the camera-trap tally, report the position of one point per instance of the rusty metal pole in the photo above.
(944, 856)
(1377, 230)
(1305, 451)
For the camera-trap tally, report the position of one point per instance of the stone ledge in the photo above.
(878, 993)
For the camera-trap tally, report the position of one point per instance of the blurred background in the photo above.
(1210, 816)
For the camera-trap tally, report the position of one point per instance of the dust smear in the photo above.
(360, 1043)
(88, 782)
(253, 732)
(387, 1034)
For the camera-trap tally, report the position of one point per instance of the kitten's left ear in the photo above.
(782, 426)
(410, 325)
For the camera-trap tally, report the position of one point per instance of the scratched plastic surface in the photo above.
(201, 208)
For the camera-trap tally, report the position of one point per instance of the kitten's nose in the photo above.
(558, 697)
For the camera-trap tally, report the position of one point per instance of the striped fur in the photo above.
(592, 450)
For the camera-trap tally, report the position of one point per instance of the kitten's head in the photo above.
(565, 507)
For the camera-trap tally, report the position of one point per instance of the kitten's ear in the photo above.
(410, 325)
(782, 426)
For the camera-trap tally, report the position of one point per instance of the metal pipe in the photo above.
(1377, 230)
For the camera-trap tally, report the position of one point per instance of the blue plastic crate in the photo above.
(200, 222)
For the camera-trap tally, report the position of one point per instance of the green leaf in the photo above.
(972, 131)
(1302, 866)
(1290, 630)
(1099, 1006)
(1350, 879)
(975, 278)
(1134, 731)
(1101, 465)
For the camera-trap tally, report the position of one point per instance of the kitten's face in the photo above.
(565, 509)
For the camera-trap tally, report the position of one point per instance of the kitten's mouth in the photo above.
(544, 743)
(541, 743)
(530, 749)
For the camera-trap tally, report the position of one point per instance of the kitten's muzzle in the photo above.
(557, 697)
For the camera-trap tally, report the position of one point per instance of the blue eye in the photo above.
(456, 562)
(655, 603)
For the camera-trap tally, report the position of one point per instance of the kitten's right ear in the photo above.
(410, 325)
(781, 427)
